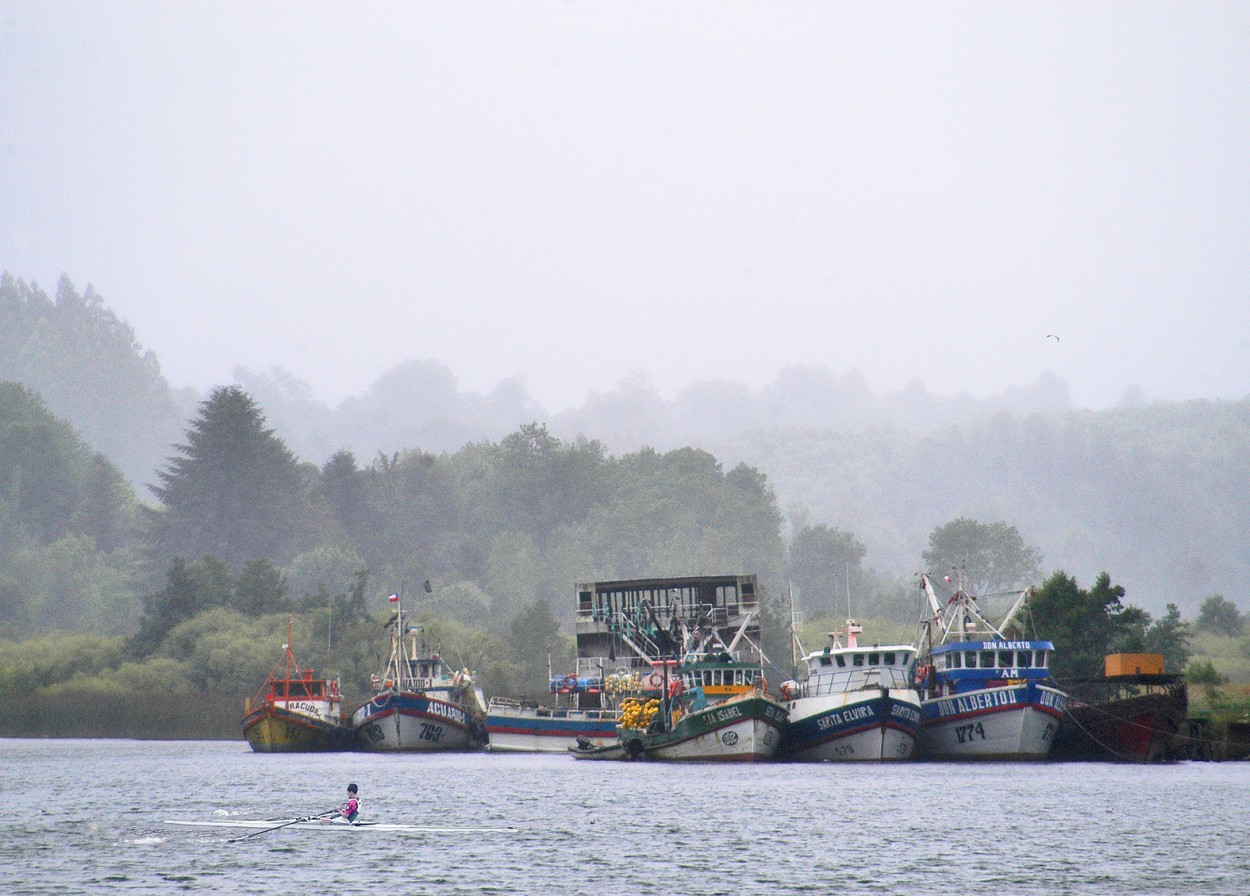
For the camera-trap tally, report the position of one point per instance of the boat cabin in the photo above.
(625, 627)
(972, 665)
(839, 669)
(719, 681)
(305, 687)
(994, 659)
(421, 673)
(298, 690)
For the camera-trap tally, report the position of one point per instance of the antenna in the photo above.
(846, 571)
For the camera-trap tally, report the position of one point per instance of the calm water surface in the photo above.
(85, 817)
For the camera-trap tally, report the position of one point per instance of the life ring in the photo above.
(570, 681)
(785, 691)
(656, 680)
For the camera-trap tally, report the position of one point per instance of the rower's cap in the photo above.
(351, 788)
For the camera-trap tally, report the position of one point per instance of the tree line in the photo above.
(242, 530)
(239, 529)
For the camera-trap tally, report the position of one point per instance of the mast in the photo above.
(794, 637)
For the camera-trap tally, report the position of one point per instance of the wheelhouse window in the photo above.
(1039, 659)
(1005, 659)
(841, 661)
(1023, 658)
(857, 659)
(888, 659)
(956, 660)
(987, 659)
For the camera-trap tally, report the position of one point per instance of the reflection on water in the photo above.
(84, 817)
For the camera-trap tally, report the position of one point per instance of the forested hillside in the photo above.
(1151, 492)
(1155, 494)
(86, 365)
(67, 527)
(189, 588)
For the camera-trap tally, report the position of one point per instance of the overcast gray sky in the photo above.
(572, 192)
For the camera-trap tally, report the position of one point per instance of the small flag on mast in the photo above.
(394, 598)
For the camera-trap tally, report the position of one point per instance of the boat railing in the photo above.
(823, 684)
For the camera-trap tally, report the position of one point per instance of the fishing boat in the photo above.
(856, 703)
(419, 703)
(983, 695)
(1133, 713)
(687, 648)
(583, 712)
(296, 712)
(716, 710)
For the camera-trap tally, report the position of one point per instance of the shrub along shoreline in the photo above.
(89, 714)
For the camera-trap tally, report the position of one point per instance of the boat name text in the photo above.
(845, 717)
(974, 702)
(452, 713)
(905, 713)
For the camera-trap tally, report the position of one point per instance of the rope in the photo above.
(1110, 749)
(1209, 742)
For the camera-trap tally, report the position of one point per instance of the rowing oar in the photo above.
(283, 825)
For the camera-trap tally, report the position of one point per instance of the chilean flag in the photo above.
(394, 598)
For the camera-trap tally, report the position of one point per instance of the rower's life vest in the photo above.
(352, 809)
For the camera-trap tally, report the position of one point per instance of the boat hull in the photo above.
(332, 826)
(747, 729)
(407, 722)
(609, 751)
(543, 730)
(873, 725)
(273, 729)
(1014, 722)
(1144, 728)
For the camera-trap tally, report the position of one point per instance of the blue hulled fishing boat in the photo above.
(984, 695)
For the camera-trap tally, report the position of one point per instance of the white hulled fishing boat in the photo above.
(856, 703)
(983, 695)
(419, 703)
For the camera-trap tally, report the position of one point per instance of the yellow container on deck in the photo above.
(1134, 664)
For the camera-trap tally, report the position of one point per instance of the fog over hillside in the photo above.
(1145, 491)
(1152, 492)
(912, 261)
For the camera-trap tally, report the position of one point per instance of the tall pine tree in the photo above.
(233, 491)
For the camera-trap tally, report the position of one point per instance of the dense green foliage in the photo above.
(233, 491)
(244, 534)
(823, 562)
(986, 557)
(66, 527)
(1220, 616)
(1086, 625)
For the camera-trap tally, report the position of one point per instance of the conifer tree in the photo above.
(233, 491)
